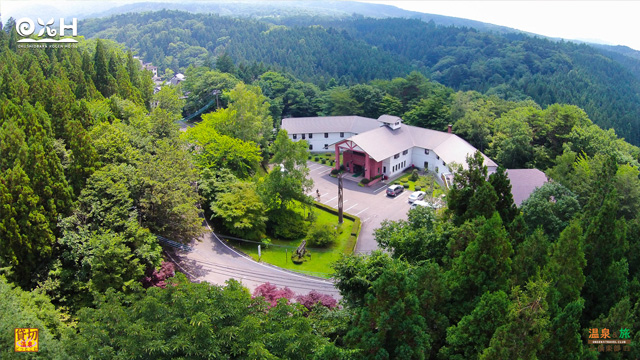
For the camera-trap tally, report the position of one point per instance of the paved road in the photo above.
(214, 261)
(370, 204)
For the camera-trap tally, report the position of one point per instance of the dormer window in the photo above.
(295, 136)
(426, 151)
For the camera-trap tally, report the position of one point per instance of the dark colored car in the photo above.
(394, 190)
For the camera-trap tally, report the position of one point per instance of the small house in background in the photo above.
(177, 79)
(524, 182)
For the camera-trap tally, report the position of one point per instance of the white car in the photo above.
(417, 195)
(422, 203)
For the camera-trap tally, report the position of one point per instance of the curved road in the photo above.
(213, 261)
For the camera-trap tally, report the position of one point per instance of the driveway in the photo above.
(213, 261)
(370, 204)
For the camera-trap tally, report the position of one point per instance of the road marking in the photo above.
(351, 207)
(360, 212)
(324, 172)
(316, 166)
(367, 219)
(326, 202)
(380, 188)
(397, 196)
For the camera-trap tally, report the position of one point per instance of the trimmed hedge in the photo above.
(351, 245)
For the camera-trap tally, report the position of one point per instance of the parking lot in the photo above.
(370, 204)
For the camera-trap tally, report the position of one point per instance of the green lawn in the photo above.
(319, 264)
(327, 157)
(424, 182)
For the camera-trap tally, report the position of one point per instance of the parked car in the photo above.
(422, 203)
(394, 190)
(417, 195)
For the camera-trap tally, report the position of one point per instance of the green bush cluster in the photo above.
(321, 236)
(286, 224)
(414, 175)
(418, 188)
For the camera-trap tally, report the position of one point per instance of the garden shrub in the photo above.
(414, 175)
(321, 236)
(315, 298)
(405, 185)
(324, 161)
(286, 225)
(365, 181)
(418, 188)
(335, 172)
(316, 159)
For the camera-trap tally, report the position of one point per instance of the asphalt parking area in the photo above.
(370, 204)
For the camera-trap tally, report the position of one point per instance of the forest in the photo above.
(356, 50)
(94, 167)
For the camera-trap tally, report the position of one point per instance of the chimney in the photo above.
(449, 129)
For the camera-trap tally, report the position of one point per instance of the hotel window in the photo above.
(341, 134)
(444, 163)
(310, 136)
(437, 157)
(302, 136)
(326, 146)
(405, 152)
(426, 151)
(295, 136)
(396, 156)
(326, 135)
(310, 147)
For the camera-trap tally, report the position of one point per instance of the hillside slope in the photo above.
(355, 50)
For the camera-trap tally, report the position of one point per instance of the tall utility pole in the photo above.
(340, 220)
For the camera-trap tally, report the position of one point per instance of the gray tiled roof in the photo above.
(524, 182)
(352, 124)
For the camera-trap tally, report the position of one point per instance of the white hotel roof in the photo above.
(381, 142)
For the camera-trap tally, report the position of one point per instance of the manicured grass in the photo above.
(328, 156)
(425, 182)
(319, 264)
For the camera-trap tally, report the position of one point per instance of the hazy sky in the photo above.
(611, 22)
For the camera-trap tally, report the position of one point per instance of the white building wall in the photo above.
(396, 166)
(317, 140)
(420, 156)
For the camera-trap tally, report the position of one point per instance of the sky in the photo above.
(608, 22)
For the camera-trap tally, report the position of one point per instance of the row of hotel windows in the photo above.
(426, 151)
(326, 135)
(399, 166)
(326, 146)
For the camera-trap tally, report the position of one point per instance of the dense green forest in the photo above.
(91, 172)
(356, 50)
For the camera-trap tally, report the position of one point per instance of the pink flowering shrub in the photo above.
(157, 277)
(271, 293)
(314, 297)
